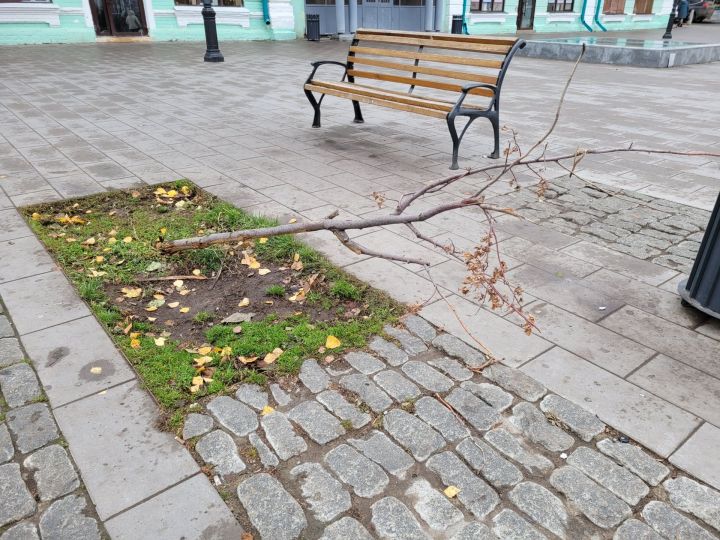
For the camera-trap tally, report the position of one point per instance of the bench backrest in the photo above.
(430, 60)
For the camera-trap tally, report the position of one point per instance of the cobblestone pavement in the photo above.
(664, 232)
(407, 441)
(41, 494)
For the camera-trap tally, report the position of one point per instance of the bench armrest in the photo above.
(316, 65)
(468, 87)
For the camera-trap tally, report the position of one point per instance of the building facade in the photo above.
(74, 21)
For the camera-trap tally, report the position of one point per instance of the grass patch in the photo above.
(107, 245)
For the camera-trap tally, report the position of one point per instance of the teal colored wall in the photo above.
(72, 29)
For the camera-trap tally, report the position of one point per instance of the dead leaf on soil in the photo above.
(244, 302)
(173, 305)
(184, 309)
(272, 356)
(332, 342)
(264, 271)
(238, 317)
(160, 342)
(131, 292)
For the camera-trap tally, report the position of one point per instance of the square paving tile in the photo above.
(12, 225)
(114, 441)
(23, 257)
(696, 455)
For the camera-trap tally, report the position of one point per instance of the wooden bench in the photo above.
(392, 64)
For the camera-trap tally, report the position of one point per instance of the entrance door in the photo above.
(526, 14)
(377, 14)
(119, 17)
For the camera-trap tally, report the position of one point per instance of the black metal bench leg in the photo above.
(316, 108)
(495, 121)
(455, 142)
(358, 113)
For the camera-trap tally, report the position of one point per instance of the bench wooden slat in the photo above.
(377, 101)
(461, 75)
(430, 57)
(439, 35)
(436, 43)
(450, 87)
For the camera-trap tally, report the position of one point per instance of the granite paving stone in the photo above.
(542, 506)
(341, 408)
(420, 327)
(19, 385)
(389, 351)
(219, 450)
(509, 524)
(489, 463)
(400, 388)
(412, 344)
(281, 435)
(65, 518)
(478, 497)
(452, 367)
(22, 531)
(281, 397)
(479, 414)
(267, 456)
(10, 352)
(605, 472)
(368, 391)
(392, 519)
(32, 426)
(493, 395)
(270, 508)
(364, 363)
(325, 495)
(694, 498)
(453, 346)
(671, 524)
(634, 529)
(53, 472)
(196, 424)
(346, 528)
(16, 502)
(597, 503)
(366, 478)
(253, 395)
(313, 376)
(441, 418)
(584, 424)
(635, 459)
(378, 447)
(515, 381)
(433, 507)
(412, 433)
(507, 444)
(475, 531)
(233, 415)
(321, 426)
(528, 419)
(427, 377)
(6, 446)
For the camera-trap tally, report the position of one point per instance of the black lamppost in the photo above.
(671, 21)
(212, 54)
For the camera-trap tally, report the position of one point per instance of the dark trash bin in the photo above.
(457, 24)
(702, 288)
(312, 27)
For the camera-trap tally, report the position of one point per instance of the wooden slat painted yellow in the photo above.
(429, 57)
(461, 75)
(438, 35)
(436, 43)
(450, 87)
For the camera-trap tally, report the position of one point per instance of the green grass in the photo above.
(275, 290)
(96, 266)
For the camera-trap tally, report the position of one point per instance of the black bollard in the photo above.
(671, 20)
(212, 54)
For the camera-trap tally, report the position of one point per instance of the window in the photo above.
(216, 3)
(555, 6)
(614, 7)
(643, 7)
(485, 6)
(27, 1)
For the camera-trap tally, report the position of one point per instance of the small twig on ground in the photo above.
(170, 278)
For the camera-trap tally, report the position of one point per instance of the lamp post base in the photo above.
(214, 56)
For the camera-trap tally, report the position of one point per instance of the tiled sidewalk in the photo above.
(79, 119)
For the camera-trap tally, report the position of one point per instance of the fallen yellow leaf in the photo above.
(163, 230)
(160, 191)
(96, 370)
(159, 296)
(135, 343)
(172, 193)
(89, 242)
(151, 308)
(160, 342)
(196, 272)
(293, 220)
(99, 259)
(127, 239)
(194, 388)
(332, 342)
(244, 302)
(35, 216)
(184, 309)
(178, 283)
(263, 240)
(185, 190)
(272, 356)
(247, 359)
(264, 271)
(451, 491)
(202, 361)
(131, 292)
(173, 305)
(152, 319)
(197, 381)
(112, 240)
(267, 409)
(205, 350)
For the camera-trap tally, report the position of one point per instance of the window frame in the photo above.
(613, 7)
(562, 3)
(199, 3)
(492, 3)
(649, 7)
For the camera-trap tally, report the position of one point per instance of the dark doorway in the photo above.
(119, 17)
(526, 14)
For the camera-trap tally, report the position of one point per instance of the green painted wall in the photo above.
(72, 28)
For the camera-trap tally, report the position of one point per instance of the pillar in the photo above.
(340, 16)
(353, 16)
(429, 16)
(439, 15)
